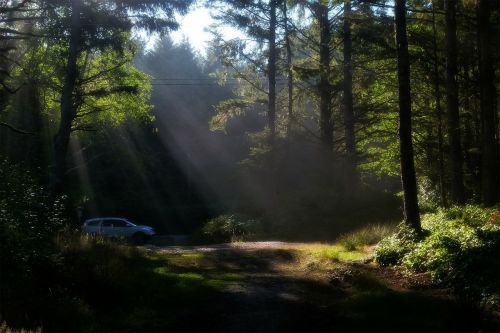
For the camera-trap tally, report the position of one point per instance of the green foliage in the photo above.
(461, 251)
(27, 226)
(391, 250)
(227, 110)
(111, 89)
(230, 228)
(428, 195)
(368, 235)
(27, 220)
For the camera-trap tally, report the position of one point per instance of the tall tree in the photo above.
(457, 184)
(439, 110)
(325, 95)
(255, 61)
(289, 68)
(15, 27)
(94, 27)
(271, 71)
(350, 142)
(489, 147)
(67, 105)
(408, 178)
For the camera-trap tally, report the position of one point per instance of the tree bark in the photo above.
(408, 178)
(326, 124)
(289, 70)
(68, 111)
(272, 72)
(439, 111)
(457, 185)
(489, 147)
(350, 140)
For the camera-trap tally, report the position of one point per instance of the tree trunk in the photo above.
(350, 141)
(489, 147)
(272, 73)
(289, 70)
(439, 110)
(326, 124)
(408, 178)
(272, 174)
(68, 111)
(457, 185)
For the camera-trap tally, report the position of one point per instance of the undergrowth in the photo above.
(230, 228)
(366, 236)
(461, 251)
(99, 285)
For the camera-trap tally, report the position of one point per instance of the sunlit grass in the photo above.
(191, 261)
(339, 253)
(366, 236)
(183, 258)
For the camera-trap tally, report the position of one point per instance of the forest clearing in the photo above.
(249, 165)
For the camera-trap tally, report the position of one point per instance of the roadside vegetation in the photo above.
(282, 154)
(107, 286)
(366, 236)
(459, 248)
(104, 286)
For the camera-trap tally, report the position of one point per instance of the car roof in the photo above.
(107, 218)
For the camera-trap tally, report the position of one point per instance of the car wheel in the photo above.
(138, 238)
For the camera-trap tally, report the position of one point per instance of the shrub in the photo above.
(460, 251)
(230, 228)
(28, 256)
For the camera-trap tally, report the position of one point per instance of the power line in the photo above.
(202, 79)
(190, 84)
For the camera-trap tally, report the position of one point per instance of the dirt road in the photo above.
(293, 287)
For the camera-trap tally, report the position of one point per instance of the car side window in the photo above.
(93, 223)
(107, 223)
(119, 224)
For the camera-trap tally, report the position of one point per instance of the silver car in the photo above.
(117, 227)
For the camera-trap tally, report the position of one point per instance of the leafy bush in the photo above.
(231, 228)
(369, 235)
(460, 251)
(391, 250)
(28, 224)
(428, 195)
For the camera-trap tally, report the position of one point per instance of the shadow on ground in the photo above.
(261, 296)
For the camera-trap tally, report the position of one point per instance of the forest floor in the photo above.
(277, 286)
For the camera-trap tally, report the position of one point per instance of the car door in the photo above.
(106, 228)
(121, 228)
(93, 226)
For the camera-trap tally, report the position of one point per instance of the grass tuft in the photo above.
(339, 253)
(366, 236)
(4, 328)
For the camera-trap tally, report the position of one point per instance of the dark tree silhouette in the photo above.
(489, 148)
(457, 183)
(408, 178)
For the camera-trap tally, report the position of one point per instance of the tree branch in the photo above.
(15, 130)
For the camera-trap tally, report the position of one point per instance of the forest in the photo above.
(317, 165)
